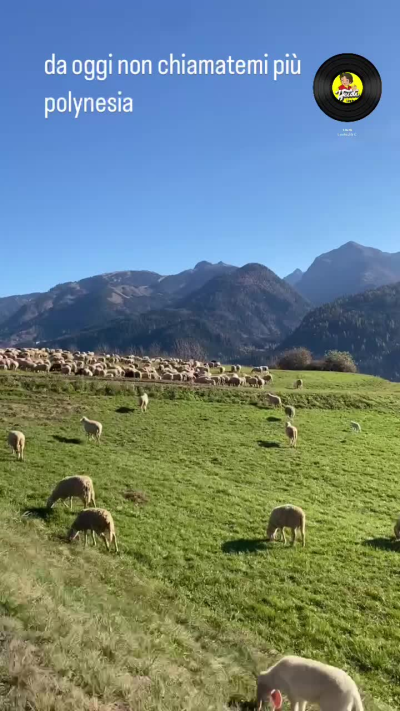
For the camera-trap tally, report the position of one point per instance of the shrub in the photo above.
(295, 359)
(340, 361)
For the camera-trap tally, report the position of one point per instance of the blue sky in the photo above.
(233, 168)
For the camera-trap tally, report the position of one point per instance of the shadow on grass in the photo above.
(124, 410)
(274, 419)
(245, 545)
(38, 512)
(268, 445)
(384, 544)
(237, 704)
(67, 440)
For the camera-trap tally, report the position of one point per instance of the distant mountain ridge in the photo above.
(294, 277)
(350, 269)
(73, 306)
(242, 310)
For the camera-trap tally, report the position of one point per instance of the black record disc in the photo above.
(347, 87)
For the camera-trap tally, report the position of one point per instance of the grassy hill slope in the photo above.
(197, 602)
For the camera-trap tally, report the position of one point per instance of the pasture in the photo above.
(197, 602)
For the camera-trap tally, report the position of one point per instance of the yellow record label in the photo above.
(347, 87)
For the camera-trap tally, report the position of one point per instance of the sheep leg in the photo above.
(94, 538)
(85, 541)
(283, 536)
(303, 537)
(65, 504)
(115, 543)
(293, 536)
(70, 502)
(105, 541)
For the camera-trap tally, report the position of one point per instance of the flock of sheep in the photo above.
(301, 680)
(177, 370)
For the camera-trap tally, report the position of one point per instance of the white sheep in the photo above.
(80, 487)
(274, 400)
(355, 426)
(305, 681)
(204, 380)
(291, 432)
(290, 411)
(97, 521)
(16, 440)
(287, 516)
(92, 428)
(144, 402)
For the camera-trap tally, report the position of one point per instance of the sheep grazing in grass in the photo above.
(305, 681)
(16, 440)
(92, 428)
(298, 383)
(287, 516)
(274, 400)
(80, 487)
(355, 426)
(291, 433)
(397, 529)
(144, 402)
(97, 521)
(290, 411)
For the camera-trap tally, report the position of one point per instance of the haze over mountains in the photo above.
(213, 310)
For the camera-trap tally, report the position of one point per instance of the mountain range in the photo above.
(366, 325)
(216, 310)
(350, 269)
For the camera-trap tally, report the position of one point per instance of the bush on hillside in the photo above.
(295, 359)
(340, 361)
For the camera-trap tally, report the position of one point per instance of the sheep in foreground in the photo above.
(274, 400)
(97, 521)
(308, 681)
(355, 426)
(144, 401)
(80, 487)
(290, 411)
(287, 516)
(298, 383)
(92, 428)
(291, 432)
(16, 440)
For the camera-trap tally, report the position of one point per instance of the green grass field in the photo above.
(197, 602)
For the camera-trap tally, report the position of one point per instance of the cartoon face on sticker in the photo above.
(347, 87)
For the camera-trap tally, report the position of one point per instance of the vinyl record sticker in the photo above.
(347, 87)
